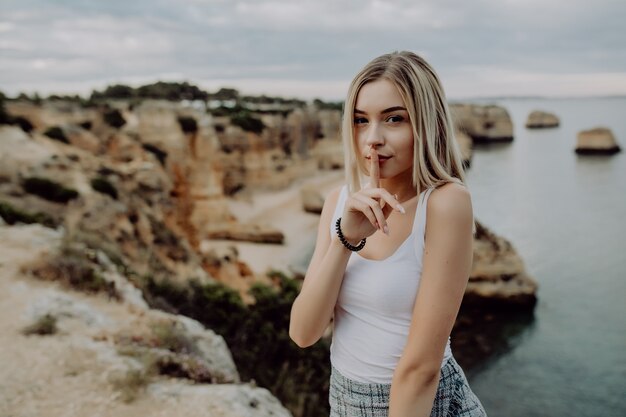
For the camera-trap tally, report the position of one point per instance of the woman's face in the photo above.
(381, 121)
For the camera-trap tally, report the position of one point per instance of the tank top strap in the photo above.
(341, 202)
(419, 224)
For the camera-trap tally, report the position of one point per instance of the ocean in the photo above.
(566, 216)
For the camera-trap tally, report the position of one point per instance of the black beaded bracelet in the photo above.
(343, 240)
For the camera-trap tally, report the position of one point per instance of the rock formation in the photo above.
(498, 276)
(540, 119)
(67, 352)
(484, 124)
(597, 141)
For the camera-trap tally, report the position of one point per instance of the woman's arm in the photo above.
(313, 308)
(446, 267)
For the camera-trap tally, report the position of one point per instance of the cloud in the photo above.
(298, 46)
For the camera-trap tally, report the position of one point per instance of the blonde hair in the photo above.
(436, 156)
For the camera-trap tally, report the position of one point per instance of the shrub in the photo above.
(23, 123)
(57, 134)
(86, 124)
(132, 384)
(160, 154)
(49, 190)
(247, 122)
(188, 124)
(43, 326)
(74, 269)
(12, 215)
(104, 186)
(114, 118)
(257, 336)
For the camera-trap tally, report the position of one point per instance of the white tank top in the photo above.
(375, 305)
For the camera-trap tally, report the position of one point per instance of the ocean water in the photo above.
(566, 216)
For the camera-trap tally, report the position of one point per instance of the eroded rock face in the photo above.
(498, 277)
(484, 124)
(113, 358)
(540, 120)
(597, 141)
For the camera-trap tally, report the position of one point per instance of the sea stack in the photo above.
(540, 120)
(484, 124)
(596, 141)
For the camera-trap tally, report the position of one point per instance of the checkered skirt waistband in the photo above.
(349, 398)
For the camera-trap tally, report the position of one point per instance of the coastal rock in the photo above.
(251, 232)
(484, 124)
(540, 119)
(597, 141)
(328, 154)
(103, 357)
(498, 278)
(312, 199)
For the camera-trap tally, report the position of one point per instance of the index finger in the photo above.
(374, 168)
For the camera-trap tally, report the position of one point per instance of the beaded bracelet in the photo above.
(343, 240)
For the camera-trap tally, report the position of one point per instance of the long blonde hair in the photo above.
(436, 156)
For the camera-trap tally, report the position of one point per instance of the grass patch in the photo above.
(56, 133)
(74, 269)
(104, 186)
(12, 215)
(43, 326)
(48, 190)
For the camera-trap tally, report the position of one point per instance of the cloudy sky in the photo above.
(310, 49)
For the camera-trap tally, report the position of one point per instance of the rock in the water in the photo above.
(498, 277)
(540, 119)
(484, 124)
(597, 141)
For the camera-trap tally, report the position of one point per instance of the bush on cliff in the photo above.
(56, 133)
(12, 215)
(248, 122)
(114, 118)
(257, 335)
(48, 190)
(160, 154)
(104, 186)
(188, 124)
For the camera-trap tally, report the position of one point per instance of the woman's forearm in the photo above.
(313, 308)
(413, 392)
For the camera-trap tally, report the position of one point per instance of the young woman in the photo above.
(393, 251)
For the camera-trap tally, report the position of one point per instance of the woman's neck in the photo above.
(400, 185)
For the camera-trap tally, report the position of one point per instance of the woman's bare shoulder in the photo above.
(451, 201)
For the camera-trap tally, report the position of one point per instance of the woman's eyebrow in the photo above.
(389, 110)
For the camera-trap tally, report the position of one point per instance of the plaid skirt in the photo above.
(349, 398)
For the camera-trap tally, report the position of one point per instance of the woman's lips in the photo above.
(381, 158)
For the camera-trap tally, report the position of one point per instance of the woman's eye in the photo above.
(359, 120)
(395, 119)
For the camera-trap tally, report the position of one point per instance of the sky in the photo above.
(312, 49)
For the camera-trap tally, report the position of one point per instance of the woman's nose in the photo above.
(374, 135)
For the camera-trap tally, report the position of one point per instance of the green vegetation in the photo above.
(331, 105)
(43, 326)
(188, 124)
(86, 124)
(248, 122)
(12, 215)
(132, 383)
(257, 335)
(160, 90)
(74, 269)
(7, 119)
(48, 190)
(56, 133)
(160, 154)
(114, 118)
(104, 186)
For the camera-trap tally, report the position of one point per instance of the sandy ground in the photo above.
(283, 211)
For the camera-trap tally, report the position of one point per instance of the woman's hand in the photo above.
(368, 209)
